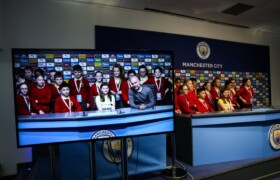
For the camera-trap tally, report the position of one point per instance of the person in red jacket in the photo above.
(161, 89)
(126, 86)
(246, 94)
(115, 84)
(208, 98)
(42, 95)
(216, 88)
(183, 101)
(79, 86)
(192, 97)
(95, 88)
(25, 104)
(66, 103)
(202, 104)
(58, 81)
(144, 75)
(28, 75)
(230, 87)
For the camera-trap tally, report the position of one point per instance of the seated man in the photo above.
(140, 97)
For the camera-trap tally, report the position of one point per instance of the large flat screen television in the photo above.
(69, 95)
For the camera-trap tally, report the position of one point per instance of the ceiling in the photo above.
(264, 15)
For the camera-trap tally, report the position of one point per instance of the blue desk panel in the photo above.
(65, 127)
(221, 137)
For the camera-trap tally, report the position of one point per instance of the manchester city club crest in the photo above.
(203, 50)
(274, 136)
(112, 149)
(103, 134)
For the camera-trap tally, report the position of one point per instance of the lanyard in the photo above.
(217, 92)
(26, 102)
(158, 86)
(98, 87)
(209, 97)
(68, 106)
(80, 86)
(118, 85)
(205, 105)
(250, 92)
(187, 100)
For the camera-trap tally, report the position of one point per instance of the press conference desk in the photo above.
(226, 136)
(61, 127)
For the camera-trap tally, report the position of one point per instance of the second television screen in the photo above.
(76, 95)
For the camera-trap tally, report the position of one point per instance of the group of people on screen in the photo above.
(37, 94)
(189, 99)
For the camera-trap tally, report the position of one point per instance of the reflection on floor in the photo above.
(242, 169)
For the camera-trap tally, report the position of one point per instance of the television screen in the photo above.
(77, 95)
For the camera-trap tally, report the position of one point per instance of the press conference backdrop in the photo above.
(202, 58)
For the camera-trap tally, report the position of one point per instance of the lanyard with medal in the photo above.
(118, 86)
(79, 96)
(67, 105)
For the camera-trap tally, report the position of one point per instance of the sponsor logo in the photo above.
(90, 68)
(127, 67)
(42, 64)
(50, 56)
(66, 56)
(82, 63)
(112, 150)
(82, 56)
(105, 56)
(203, 50)
(58, 68)
(50, 64)
(58, 60)
(74, 60)
(32, 55)
(274, 136)
(65, 73)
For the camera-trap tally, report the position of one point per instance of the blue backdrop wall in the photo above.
(202, 58)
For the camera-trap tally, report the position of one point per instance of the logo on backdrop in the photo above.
(112, 150)
(274, 136)
(203, 50)
(103, 134)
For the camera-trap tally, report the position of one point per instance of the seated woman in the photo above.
(224, 103)
(105, 100)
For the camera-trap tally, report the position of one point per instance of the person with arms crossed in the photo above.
(183, 101)
(140, 97)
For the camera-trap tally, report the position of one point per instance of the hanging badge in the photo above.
(79, 98)
(158, 96)
(117, 97)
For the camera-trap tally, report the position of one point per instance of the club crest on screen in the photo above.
(103, 134)
(112, 149)
(203, 50)
(274, 136)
